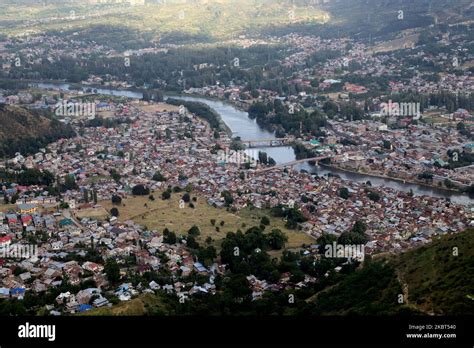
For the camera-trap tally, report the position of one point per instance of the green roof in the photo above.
(65, 222)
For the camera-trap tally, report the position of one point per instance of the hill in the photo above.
(27, 131)
(218, 20)
(432, 279)
(438, 281)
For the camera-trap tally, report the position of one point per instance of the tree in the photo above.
(114, 212)
(238, 287)
(140, 190)
(359, 227)
(228, 199)
(70, 183)
(115, 176)
(186, 197)
(169, 237)
(191, 242)
(262, 157)
(344, 192)
(116, 199)
(325, 239)
(356, 235)
(112, 270)
(159, 177)
(14, 198)
(265, 220)
(194, 231)
(277, 239)
(166, 195)
(207, 255)
(86, 196)
(374, 196)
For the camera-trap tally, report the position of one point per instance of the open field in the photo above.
(159, 107)
(136, 307)
(407, 41)
(159, 214)
(93, 213)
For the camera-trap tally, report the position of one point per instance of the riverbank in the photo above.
(381, 176)
(203, 111)
(241, 125)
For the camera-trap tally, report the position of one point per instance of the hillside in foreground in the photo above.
(432, 279)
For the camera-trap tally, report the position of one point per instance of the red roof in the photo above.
(5, 239)
(26, 218)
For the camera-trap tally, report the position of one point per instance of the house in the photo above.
(92, 267)
(4, 293)
(100, 302)
(469, 148)
(84, 296)
(58, 245)
(60, 299)
(27, 208)
(199, 267)
(18, 293)
(25, 276)
(5, 241)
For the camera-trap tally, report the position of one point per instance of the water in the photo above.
(85, 89)
(244, 127)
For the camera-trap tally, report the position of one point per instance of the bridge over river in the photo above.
(295, 162)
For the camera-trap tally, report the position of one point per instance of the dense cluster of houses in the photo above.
(183, 149)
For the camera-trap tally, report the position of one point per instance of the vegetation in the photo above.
(27, 131)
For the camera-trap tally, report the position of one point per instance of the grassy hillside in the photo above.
(27, 131)
(438, 281)
(431, 279)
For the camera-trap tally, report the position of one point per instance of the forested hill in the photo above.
(381, 18)
(27, 131)
(216, 20)
(435, 279)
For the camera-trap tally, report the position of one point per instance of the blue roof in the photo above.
(84, 307)
(15, 291)
(123, 287)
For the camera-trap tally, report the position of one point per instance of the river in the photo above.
(244, 127)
